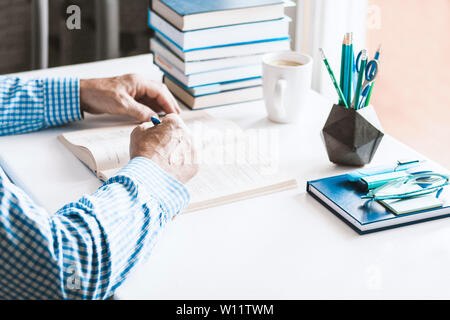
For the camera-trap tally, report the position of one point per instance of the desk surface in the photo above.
(280, 246)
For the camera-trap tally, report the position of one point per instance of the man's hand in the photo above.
(168, 144)
(130, 95)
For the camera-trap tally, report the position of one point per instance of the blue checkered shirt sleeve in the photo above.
(87, 248)
(29, 105)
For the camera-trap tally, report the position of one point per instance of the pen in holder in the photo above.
(351, 136)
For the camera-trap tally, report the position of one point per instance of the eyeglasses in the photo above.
(413, 185)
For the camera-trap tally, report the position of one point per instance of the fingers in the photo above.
(169, 122)
(174, 120)
(169, 145)
(162, 95)
(139, 111)
(174, 101)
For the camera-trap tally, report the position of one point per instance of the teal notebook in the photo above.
(412, 205)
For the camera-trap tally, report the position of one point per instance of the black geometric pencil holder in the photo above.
(350, 137)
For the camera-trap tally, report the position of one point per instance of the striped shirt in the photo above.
(88, 247)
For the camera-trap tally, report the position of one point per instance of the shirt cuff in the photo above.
(173, 195)
(61, 101)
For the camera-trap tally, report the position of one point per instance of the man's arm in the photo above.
(88, 247)
(29, 105)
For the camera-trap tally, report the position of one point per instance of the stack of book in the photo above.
(211, 51)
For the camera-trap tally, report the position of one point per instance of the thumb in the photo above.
(139, 111)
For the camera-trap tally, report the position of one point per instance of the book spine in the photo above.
(308, 190)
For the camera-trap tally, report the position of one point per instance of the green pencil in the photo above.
(349, 70)
(333, 79)
(369, 95)
(341, 82)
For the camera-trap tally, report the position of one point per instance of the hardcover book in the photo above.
(222, 52)
(216, 87)
(221, 36)
(209, 77)
(214, 99)
(190, 67)
(200, 14)
(344, 200)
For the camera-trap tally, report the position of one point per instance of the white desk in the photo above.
(281, 246)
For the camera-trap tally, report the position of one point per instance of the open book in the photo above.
(233, 164)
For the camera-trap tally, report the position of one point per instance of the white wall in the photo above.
(324, 24)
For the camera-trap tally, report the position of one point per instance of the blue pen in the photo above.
(155, 121)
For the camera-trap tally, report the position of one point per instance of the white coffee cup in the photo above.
(286, 85)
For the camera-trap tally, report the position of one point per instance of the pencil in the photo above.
(341, 82)
(345, 69)
(333, 79)
(350, 67)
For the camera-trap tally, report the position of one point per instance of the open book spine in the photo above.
(82, 153)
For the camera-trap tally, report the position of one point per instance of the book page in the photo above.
(233, 164)
(217, 178)
(214, 186)
(216, 181)
(108, 146)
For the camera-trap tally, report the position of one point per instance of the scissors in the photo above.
(428, 182)
(370, 72)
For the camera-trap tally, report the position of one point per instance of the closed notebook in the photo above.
(221, 36)
(200, 14)
(344, 200)
(214, 99)
(209, 77)
(161, 51)
(220, 87)
(403, 206)
(215, 87)
(224, 51)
